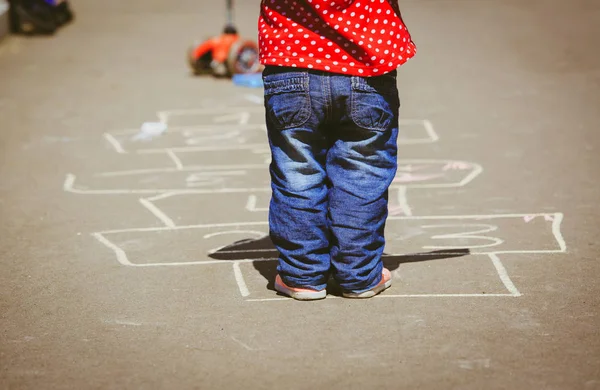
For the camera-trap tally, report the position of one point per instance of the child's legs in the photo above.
(298, 210)
(361, 165)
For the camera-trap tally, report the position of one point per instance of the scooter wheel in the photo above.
(201, 65)
(243, 58)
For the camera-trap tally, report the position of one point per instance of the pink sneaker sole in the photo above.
(386, 282)
(301, 294)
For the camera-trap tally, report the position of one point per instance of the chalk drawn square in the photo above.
(232, 115)
(423, 173)
(259, 157)
(212, 137)
(200, 180)
(481, 234)
(416, 131)
(191, 209)
(190, 245)
(425, 275)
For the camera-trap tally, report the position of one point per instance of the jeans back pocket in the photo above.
(375, 102)
(287, 99)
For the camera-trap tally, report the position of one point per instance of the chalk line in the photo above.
(242, 117)
(199, 128)
(403, 201)
(253, 232)
(181, 227)
(427, 125)
(556, 225)
(430, 130)
(395, 296)
(157, 213)
(162, 196)
(176, 160)
(184, 149)
(210, 110)
(503, 274)
(239, 278)
(120, 253)
(254, 98)
(246, 346)
(220, 173)
(189, 168)
(68, 186)
(251, 205)
(115, 143)
(198, 262)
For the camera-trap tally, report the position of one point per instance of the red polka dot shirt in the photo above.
(355, 37)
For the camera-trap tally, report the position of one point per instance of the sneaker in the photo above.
(301, 294)
(386, 282)
(32, 17)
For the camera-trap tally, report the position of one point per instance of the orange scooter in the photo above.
(225, 55)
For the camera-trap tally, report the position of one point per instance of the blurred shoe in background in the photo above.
(33, 17)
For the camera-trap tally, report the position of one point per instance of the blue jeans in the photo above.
(334, 155)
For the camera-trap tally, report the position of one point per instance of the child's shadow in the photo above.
(264, 254)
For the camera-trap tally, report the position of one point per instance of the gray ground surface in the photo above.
(106, 281)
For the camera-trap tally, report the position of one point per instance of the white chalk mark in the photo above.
(121, 322)
(471, 235)
(241, 118)
(427, 125)
(201, 128)
(219, 173)
(69, 181)
(158, 213)
(182, 227)
(246, 346)
(162, 196)
(396, 296)
(120, 253)
(474, 216)
(200, 262)
(163, 116)
(115, 143)
(430, 130)
(254, 99)
(184, 149)
(176, 160)
(255, 233)
(403, 201)
(190, 168)
(68, 186)
(243, 250)
(558, 218)
(503, 274)
(251, 205)
(210, 111)
(239, 278)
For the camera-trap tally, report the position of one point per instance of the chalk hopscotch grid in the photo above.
(242, 118)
